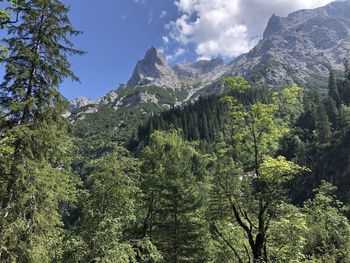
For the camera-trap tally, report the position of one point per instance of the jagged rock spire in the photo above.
(153, 70)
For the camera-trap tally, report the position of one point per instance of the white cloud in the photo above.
(163, 14)
(150, 17)
(140, 1)
(228, 27)
(165, 40)
(178, 53)
(161, 50)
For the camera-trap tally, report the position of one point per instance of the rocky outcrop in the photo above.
(203, 70)
(153, 70)
(80, 102)
(293, 48)
(110, 98)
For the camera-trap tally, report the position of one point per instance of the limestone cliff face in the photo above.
(153, 70)
(203, 70)
(80, 102)
(294, 47)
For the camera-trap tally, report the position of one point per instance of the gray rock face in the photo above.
(79, 102)
(203, 70)
(294, 47)
(109, 98)
(153, 70)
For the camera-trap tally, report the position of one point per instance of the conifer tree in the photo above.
(323, 125)
(333, 91)
(174, 198)
(36, 177)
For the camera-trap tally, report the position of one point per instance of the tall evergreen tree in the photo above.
(333, 91)
(174, 198)
(36, 177)
(323, 125)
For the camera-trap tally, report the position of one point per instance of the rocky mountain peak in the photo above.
(152, 57)
(304, 44)
(274, 26)
(153, 70)
(79, 102)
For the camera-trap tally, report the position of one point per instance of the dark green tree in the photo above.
(333, 91)
(323, 125)
(173, 189)
(36, 177)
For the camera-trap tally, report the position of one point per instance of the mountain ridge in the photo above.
(293, 49)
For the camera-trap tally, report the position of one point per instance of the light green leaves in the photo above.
(237, 83)
(259, 123)
(278, 170)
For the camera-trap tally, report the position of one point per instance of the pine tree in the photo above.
(323, 125)
(344, 85)
(5, 20)
(36, 178)
(333, 89)
(173, 194)
(332, 111)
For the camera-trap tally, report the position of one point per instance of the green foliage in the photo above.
(201, 120)
(316, 82)
(231, 207)
(107, 210)
(320, 139)
(328, 229)
(5, 16)
(288, 234)
(265, 122)
(35, 179)
(274, 175)
(258, 124)
(31, 228)
(224, 197)
(173, 194)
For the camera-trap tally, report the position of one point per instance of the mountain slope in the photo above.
(299, 48)
(296, 47)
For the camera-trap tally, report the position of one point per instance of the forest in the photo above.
(255, 174)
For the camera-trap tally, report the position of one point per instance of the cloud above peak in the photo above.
(228, 28)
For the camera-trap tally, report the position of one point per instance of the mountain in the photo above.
(202, 70)
(80, 102)
(153, 70)
(154, 86)
(301, 46)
